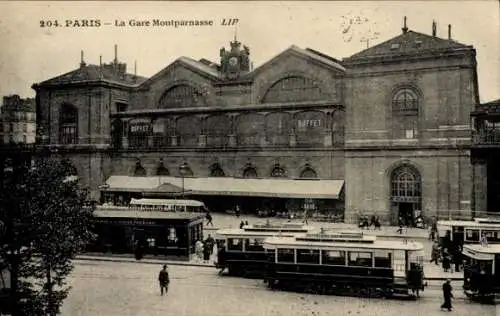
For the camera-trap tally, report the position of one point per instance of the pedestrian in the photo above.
(210, 242)
(237, 211)
(401, 224)
(435, 253)
(164, 280)
(446, 261)
(242, 223)
(199, 249)
(206, 252)
(447, 295)
(246, 223)
(208, 216)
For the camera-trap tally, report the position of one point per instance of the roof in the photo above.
(90, 73)
(491, 107)
(307, 53)
(240, 233)
(291, 242)
(131, 214)
(166, 202)
(409, 43)
(197, 66)
(469, 224)
(481, 252)
(285, 188)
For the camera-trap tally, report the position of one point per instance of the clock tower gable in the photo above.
(236, 61)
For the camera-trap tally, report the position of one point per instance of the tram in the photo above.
(482, 272)
(345, 263)
(241, 251)
(458, 233)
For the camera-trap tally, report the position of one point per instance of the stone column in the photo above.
(202, 138)
(173, 138)
(125, 134)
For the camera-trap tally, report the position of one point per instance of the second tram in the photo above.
(482, 272)
(469, 232)
(241, 251)
(345, 263)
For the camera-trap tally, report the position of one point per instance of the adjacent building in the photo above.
(485, 154)
(391, 121)
(18, 120)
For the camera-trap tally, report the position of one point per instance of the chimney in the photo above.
(116, 53)
(404, 29)
(100, 60)
(434, 28)
(449, 31)
(82, 62)
(135, 68)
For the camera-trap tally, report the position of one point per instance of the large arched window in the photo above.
(250, 172)
(405, 109)
(308, 173)
(68, 124)
(182, 96)
(278, 172)
(139, 170)
(293, 89)
(406, 185)
(162, 170)
(216, 171)
(405, 101)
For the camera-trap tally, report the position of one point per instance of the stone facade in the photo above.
(403, 103)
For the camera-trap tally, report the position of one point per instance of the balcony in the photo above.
(486, 138)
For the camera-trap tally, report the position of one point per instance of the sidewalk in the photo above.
(231, 221)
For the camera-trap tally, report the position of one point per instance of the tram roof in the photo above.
(155, 202)
(292, 242)
(132, 214)
(478, 224)
(483, 249)
(241, 233)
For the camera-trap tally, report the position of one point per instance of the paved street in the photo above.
(106, 288)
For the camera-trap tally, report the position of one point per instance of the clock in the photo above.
(233, 61)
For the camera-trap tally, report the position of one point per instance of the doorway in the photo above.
(405, 211)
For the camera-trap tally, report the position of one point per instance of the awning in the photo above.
(284, 188)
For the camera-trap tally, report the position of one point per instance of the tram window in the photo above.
(234, 244)
(382, 258)
(491, 235)
(307, 256)
(360, 259)
(472, 235)
(286, 255)
(254, 244)
(333, 257)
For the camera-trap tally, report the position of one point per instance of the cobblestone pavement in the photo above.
(110, 288)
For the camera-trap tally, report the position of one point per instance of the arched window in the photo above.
(405, 109)
(405, 101)
(278, 172)
(162, 170)
(406, 185)
(293, 89)
(308, 173)
(250, 173)
(216, 171)
(68, 124)
(139, 170)
(182, 96)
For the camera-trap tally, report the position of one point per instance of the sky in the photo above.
(30, 53)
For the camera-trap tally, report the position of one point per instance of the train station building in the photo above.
(384, 131)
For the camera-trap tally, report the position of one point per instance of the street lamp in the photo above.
(183, 169)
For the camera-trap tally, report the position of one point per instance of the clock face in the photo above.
(233, 61)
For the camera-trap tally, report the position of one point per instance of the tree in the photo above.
(47, 223)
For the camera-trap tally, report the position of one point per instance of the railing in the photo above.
(487, 137)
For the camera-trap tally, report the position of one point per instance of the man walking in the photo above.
(164, 280)
(447, 295)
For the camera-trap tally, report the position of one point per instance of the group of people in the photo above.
(448, 256)
(374, 221)
(204, 249)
